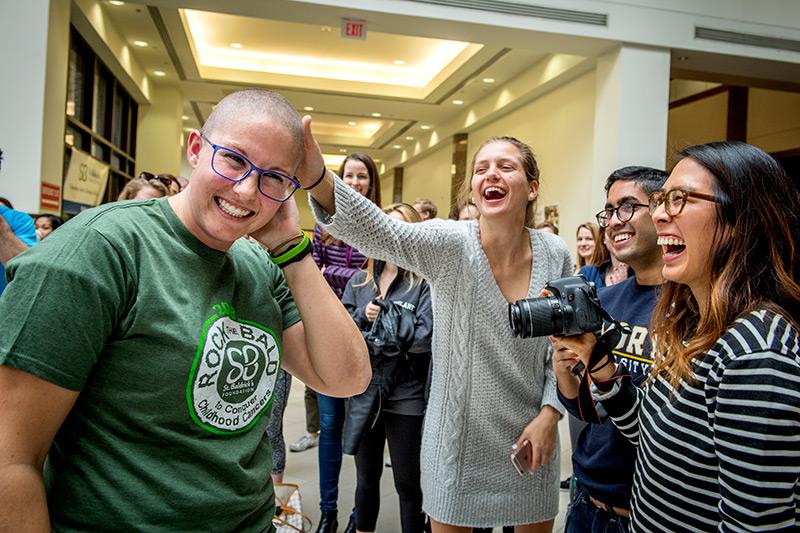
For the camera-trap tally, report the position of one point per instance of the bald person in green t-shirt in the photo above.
(141, 344)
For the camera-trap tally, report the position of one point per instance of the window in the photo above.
(101, 118)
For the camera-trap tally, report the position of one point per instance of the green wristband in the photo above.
(295, 253)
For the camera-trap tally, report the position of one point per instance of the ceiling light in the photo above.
(396, 146)
(185, 117)
(159, 73)
(376, 115)
(236, 45)
(488, 80)
(116, 2)
(140, 44)
(308, 108)
(351, 123)
(399, 62)
(409, 138)
(458, 102)
(425, 127)
(343, 150)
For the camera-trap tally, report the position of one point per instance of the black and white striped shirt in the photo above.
(721, 453)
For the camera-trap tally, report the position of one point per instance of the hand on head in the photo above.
(312, 163)
(281, 227)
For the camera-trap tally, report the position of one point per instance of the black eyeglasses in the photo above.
(624, 213)
(164, 180)
(674, 200)
(235, 167)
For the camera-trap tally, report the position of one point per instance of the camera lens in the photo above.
(536, 317)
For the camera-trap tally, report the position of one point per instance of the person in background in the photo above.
(46, 224)
(463, 211)
(339, 262)
(141, 188)
(6, 202)
(602, 459)
(17, 234)
(399, 380)
(717, 424)
(150, 399)
(169, 181)
(489, 390)
(590, 245)
(548, 227)
(426, 208)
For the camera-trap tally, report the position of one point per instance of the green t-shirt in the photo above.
(175, 349)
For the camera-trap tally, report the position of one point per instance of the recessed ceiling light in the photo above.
(236, 45)
(409, 138)
(140, 44)
(399, 62)
(116, 2)
(351, 123)
(308, 108)
(185, 117)
(376, 115)
(425, 127)
(396, 146)
(458, 102)
(488, 80)
(159, 73)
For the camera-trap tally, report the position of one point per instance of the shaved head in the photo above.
(257, 103)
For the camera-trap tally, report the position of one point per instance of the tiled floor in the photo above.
(301, 468)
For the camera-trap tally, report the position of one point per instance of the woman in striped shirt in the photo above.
(718, 424)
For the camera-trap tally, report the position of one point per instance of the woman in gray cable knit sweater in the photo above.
(489, 390)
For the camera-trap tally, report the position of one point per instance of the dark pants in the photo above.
(404, 433)
(312, 411)
(275, 426)
(585, 517)
(331, 422)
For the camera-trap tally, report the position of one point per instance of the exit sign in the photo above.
(354, 29)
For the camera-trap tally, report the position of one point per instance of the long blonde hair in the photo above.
(410, 215)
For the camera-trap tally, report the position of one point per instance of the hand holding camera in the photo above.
(570, 308)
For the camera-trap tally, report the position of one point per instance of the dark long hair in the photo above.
(754, 256)
(373, 192)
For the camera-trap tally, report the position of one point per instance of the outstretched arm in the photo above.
(325, 350)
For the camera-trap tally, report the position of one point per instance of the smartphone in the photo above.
(521, 457)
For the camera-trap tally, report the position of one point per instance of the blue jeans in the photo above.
(585, 517)
(331, 421)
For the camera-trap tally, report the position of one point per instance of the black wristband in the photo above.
(322, 177)
(295, 253)
(600, 367)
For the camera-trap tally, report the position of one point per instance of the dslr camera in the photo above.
(571, 308)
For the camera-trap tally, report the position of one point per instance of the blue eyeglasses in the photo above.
(235, 167)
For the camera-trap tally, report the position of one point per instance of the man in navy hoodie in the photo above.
(603, 460)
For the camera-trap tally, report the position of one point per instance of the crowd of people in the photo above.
(158, 404)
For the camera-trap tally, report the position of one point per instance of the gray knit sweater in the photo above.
(486, 385)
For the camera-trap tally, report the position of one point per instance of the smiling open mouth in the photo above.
(494, 193)
(232, 210)
(672, 246)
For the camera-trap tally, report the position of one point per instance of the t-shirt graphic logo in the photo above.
(234, 372)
